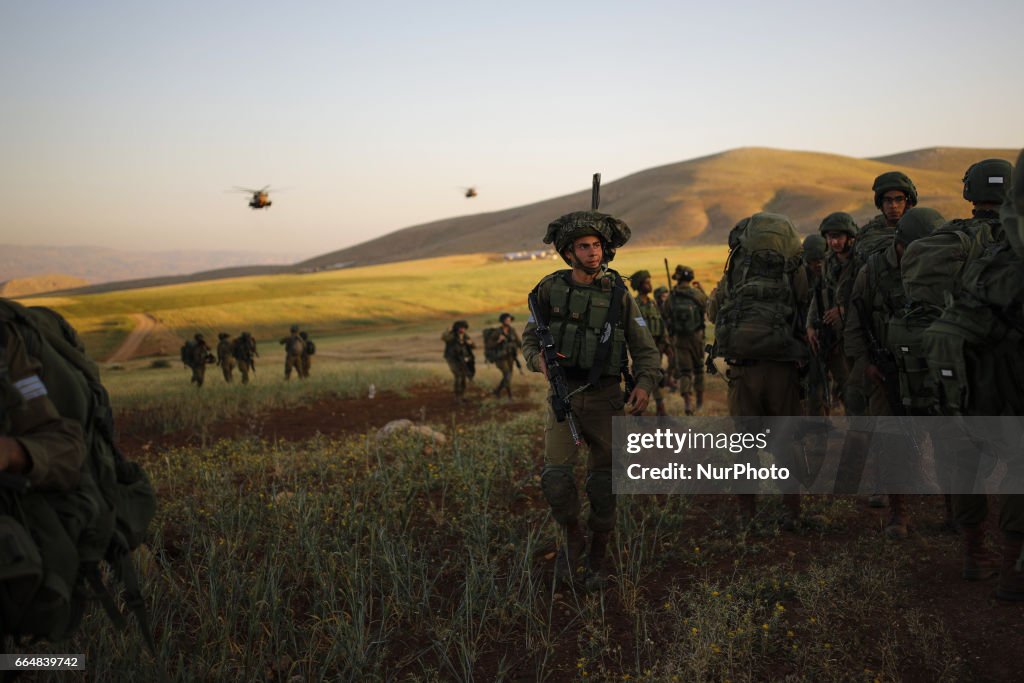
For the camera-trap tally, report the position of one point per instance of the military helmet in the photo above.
(988, 181)
(639, 276)
(505, 316)
(894, 180)
(916, 223)
(223, 335)
(814, 248)
(660, 290)
(294, 328)
(840, 221)
(683, 274)
(460, 324)
(304, 335)
(563, 230)
(198, 336)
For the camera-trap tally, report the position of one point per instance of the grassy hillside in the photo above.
(347, 302)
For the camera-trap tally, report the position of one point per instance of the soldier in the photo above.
(308, 350)
(594, 322)
(685, 320)
(757, 309)
(817, 389)
(974, 357)
(245, 353)
(225, 359)
(458, 352)
(35, 440)
(196, 355)
(506, 353)
(641, 283)
(294, 347)
(877, 297)
(661, 297)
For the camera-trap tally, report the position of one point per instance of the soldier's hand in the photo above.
(812, 339)
(543, 367)
(638, 401)
(12, 456)
(832, 316)
(875, 374)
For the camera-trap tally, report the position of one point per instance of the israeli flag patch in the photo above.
(641, 322)
(995, 180)
(30, 387)
(530, 319)
(945, 372)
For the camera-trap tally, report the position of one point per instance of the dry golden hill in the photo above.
(24, 286)
(699, 200)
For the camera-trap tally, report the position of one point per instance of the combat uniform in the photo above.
(53, 444)
(201, 357)
(688, 339)
(458, 352)
(225, 359)
(508, 352)
(648, 308)
(294, 348)
(244, 351)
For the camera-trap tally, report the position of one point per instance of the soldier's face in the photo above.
(815, 266)
(894, 205)
(645, 286)
(838, 242)
(587, 251)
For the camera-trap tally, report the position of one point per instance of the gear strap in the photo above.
(604, 346)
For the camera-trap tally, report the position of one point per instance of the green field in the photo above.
(399, 296)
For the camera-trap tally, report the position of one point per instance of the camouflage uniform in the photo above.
(975, 351)
(294, 348)
(651, 313)
(225, 359)
(577, 315)
(201, 357)
(244, 352)
(458, 352)
(510, 345)
(35, 440)
(688, 336)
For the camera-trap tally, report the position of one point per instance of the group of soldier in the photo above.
(803, 328)
(501, 347)
(241, 352)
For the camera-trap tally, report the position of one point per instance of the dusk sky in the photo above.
(124, 124)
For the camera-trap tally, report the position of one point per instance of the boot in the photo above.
(597, 573)
(660, 407)
(979, 562)
(688, 404)
(1011, 576)
(570, 553)
(791, 503)
(897, 527)
(700, 399)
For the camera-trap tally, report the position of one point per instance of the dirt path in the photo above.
(144, 324)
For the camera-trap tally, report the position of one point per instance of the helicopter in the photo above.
(260, 198)
(470, 192)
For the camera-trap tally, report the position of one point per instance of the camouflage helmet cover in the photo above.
(660, 290)
(294, 328)
(988, 181)
(894, 180)
(639, 276)
(564, 229)
(916, 223)
(814, 248)
(841, 222)
(683, 273)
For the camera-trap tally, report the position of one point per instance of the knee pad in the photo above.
(559, 488)
(602, 501)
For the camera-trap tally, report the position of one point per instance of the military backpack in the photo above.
(687, 311)
(310, 348)
(53, 545)
(758, 319)
(493, 346)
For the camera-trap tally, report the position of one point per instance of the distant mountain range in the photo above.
(697, 200)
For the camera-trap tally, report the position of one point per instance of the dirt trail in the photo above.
(144, 324)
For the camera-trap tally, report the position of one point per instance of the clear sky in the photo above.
(123, 124)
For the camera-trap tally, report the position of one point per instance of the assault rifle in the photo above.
(560, 400)
(709, 362)
(881, 358)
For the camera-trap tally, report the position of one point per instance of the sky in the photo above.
(126, 124)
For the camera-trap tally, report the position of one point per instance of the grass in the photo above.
(369, 299)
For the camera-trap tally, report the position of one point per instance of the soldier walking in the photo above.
(225, 359)
(641, 283)
(686, 308)
(293, 349)
(458, 352)
(593, 322)
(505, 351)
(245, 353)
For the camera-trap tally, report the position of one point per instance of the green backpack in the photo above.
(687, 311)
(52, 544)
(492, 347)
(759, 319)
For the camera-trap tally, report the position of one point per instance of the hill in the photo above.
(24, 286)
(698, 200)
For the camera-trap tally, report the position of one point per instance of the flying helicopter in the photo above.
(260, 198)
(470, 192)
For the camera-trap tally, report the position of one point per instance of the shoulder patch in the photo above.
(31, 387)
(640, 321)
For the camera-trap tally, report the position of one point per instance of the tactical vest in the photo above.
(578, 317)
(887, 296)
(652, 316)
(687, 311)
